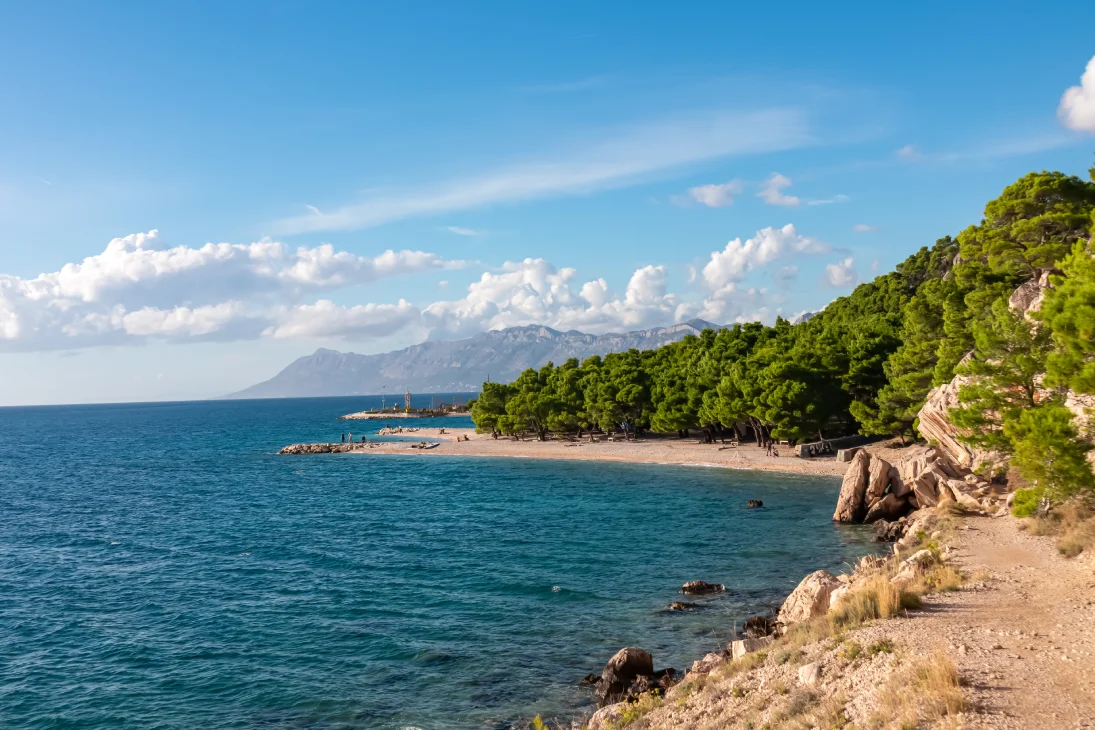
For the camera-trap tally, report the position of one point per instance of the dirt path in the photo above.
(1024, 642)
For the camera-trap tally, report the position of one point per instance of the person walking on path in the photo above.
(343, 437)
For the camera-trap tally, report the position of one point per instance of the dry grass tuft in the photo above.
(921, 694)
(876, 598)
(1073, 523)
(941, 578)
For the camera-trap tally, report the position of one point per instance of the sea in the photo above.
(161, 566)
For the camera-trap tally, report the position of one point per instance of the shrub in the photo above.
(1026, 501)
(644, 705)
(882, 646)
(1050, 452)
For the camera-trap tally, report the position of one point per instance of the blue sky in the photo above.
(604, 168)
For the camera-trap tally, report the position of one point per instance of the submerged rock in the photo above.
(754, 503)
(700, 587)
(682, 606)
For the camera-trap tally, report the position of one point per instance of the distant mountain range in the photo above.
(453, 367)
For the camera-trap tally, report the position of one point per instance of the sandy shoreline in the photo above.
(672, 451)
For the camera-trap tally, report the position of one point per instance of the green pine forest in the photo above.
(866, 363)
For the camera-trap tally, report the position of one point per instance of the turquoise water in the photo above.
(161, 566)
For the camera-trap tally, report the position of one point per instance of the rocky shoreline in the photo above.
(903, 499)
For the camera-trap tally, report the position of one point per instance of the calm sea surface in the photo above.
(162, 567)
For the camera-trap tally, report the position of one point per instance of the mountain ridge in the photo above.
(453, 366)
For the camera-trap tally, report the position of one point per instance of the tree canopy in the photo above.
(867, 362)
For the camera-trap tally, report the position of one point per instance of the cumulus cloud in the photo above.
(535, 291)
(771, 191)
(139, 288)
(1077, 108)
(733, 263)
(843, 274)
(717, 196)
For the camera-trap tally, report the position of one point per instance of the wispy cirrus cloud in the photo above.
(625, 157)
(466, 232)
(839, 198)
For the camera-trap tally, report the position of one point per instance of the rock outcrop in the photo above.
(809, 599)
(872, 490)
(849, 505)
(935, 426)
(741, 647)
(622, 669)
(336, 448)
(700, 588)
(628, 674)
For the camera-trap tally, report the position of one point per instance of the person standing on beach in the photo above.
(343, 437)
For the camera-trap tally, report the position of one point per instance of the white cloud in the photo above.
(843, 274)
(734, 262)
(326, 320)
(459, 231)
(717, 196)
(626, 156)
(138, 288)
(840, 198)
(1077, 109)
(772, 191)
(534, 291)
(180, 322)
(864, 228)
(909, 152)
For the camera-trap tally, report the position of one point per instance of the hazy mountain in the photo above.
(462, 365)
(804, 317)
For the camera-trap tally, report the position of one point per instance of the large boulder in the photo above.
(741, 647)
(924, 489)
(889, 507)
(850, 504)
(809, 599)
(878, 479)
(620, 672)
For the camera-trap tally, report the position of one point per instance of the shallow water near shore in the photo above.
(162, 566)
